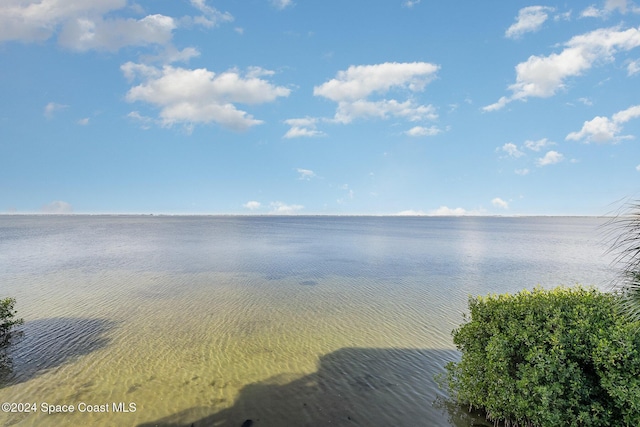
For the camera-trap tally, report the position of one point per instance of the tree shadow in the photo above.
(44, 344)
(352, 387)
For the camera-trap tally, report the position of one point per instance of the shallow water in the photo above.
(303, 321)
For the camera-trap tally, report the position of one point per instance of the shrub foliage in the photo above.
(7, 319)
(561, 357)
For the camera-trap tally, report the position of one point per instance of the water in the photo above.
(292, 321)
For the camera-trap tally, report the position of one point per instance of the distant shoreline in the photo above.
(293, 215)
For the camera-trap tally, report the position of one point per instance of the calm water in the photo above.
(287, 321)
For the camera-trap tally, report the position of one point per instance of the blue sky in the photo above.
(319, 107)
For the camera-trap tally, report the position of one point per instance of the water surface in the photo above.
(303, 321)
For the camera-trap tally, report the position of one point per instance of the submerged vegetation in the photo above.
(549, 358)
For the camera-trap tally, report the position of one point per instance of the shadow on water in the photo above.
(352, 387)
(44, 344)
(6, 363)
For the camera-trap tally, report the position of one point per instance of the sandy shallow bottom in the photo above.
(220, 349)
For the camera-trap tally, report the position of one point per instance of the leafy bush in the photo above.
(561, 357)
(7, 319)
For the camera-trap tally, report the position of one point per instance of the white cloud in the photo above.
(304, 127)
(305, 174)
(418, 131)
(566, 16)
(411, 212)
(282, 4)
(131, 70)
(83, 122)
(352, 88)
(499, 203)
(297, 132)
(603, 129)
(538, 145)
(446, 211)
(84, 34)
(83, 25)
(409, 110)
(144, 121)
(599, 129)
(638, 168)
(633, 67)
(252, 205)
(551, 158)
(626, 115)
(360, 81)
(170, 55)
(80, 25)
(511, 149)
(280, 208)
(497, 105)
(255, 72)
(591, 12)
(37, 20)
(211, 16)
(51, 108)
(623, 6)
(529, 19)
(522, 172)
(191, 96)
(543, 76)
(410, 3)
(57, 207)
(586, 101)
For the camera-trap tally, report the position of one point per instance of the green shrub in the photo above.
(561, 357)
(7, 319)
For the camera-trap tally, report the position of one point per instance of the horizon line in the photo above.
(396, 215)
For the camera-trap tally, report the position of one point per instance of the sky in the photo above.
(350, 107)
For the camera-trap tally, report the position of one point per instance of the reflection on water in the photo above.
(283, 321)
